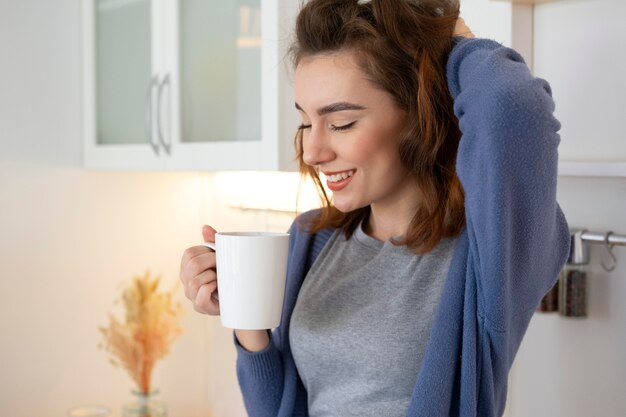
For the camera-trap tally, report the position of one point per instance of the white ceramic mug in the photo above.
(251, 274)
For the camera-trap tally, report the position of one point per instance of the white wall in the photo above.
(488, 19)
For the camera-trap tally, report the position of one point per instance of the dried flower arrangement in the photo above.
(151, 325)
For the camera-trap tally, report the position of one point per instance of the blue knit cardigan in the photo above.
(507, 257)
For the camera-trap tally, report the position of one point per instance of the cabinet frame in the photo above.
(279, 120)
(522, 16)
(123, 156)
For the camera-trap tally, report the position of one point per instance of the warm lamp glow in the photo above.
(283, 191)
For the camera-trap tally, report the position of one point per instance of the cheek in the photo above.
(378, 149)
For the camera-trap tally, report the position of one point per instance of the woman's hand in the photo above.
(197, 273)
(199, 278)
(461, 29)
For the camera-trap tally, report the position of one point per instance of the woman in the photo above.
(410, 292)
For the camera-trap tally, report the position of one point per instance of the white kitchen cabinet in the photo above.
(590, 146)
(188, 84)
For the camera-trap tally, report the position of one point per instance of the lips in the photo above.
(338, 180)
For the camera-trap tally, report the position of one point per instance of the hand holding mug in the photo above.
(251, 272)
(199, 277)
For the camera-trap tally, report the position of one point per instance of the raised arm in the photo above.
(507, 163)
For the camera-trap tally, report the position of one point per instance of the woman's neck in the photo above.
(390, 221)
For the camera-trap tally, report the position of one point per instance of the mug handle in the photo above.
(209, 245)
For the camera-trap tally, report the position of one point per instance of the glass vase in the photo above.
(145, 405)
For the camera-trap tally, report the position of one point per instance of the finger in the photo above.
(193, 285)
(191, 253)
(205, 260)
(208, 233)
(205, 302)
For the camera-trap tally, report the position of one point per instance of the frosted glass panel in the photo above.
(123, 69)
(220, 54)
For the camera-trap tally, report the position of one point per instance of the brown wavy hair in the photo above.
(402, 46)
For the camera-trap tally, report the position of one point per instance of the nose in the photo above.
(316, 147)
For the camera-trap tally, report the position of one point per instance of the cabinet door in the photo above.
(119, 86)
(223, 64)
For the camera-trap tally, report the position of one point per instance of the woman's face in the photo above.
(351, 130)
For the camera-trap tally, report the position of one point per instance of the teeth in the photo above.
(340, 176)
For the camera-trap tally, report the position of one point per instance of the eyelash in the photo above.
(342, 128)
(332, 127)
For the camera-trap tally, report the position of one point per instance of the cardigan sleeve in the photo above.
(507, 163)
(260, 376)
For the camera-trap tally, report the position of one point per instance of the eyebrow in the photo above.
(335, 107)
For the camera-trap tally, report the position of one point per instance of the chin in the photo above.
(344, 211)
(346, 207)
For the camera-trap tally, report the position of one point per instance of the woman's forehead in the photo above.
(335, 73)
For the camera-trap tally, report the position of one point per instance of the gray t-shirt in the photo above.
(361, 324)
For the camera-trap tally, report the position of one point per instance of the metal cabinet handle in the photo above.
(148, 114)
(166, 145)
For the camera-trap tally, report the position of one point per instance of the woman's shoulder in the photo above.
(302, 239)
(309, 215)
(303, 224)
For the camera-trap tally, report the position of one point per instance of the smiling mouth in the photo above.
(340, 176)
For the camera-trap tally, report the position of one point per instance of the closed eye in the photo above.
(303, 126)
(335, 128)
